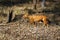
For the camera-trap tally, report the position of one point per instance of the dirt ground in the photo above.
(24, 31)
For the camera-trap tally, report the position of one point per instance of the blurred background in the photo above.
(51, 8)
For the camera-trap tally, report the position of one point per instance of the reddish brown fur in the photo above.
(36, 18)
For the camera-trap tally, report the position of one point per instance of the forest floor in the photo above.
(24, 31)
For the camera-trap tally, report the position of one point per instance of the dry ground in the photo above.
(25, 31)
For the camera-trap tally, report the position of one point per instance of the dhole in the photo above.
(36, 18)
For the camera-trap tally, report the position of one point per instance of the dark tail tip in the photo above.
(48, 21)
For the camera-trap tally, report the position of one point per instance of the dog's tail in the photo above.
(49, 22)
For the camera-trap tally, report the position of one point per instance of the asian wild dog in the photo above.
(37, 18)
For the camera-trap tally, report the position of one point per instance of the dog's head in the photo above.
(25, 15)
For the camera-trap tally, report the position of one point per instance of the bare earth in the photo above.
(24, 31)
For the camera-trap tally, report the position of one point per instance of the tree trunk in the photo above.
(43, 3)
(35, 2)
(11, 16)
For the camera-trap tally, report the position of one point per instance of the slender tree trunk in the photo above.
(43, 3)
(10, 16)
(35, 2)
